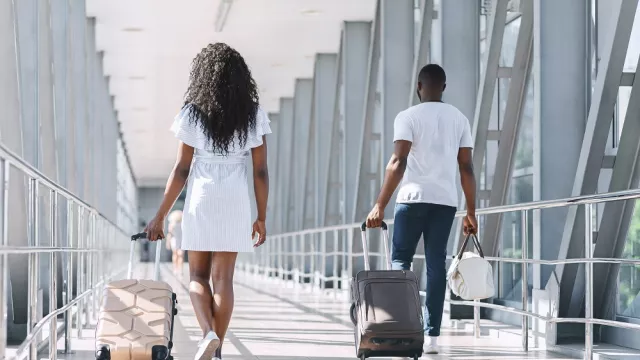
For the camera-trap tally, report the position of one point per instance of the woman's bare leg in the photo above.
(180, 261)
(222, 270)
(174, 260)
(200, 290)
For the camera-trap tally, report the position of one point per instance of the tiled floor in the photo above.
(273, 322)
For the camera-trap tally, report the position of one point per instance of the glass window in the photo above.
(524, 148)
(126, 193)
(630, 65)
(510, 275)
(633, 51)
(629, 276)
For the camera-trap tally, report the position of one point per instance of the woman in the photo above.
(218, 127)
(175, 239)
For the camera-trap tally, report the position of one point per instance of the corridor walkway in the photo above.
(276, 322)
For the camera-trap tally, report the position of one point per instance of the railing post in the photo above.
(68, 325)
(346, 260)
(294, 257)
(100, 231)
(94, 268)
(278, 241)
(336, 253)
(323, 259)
(53, 280)
(588, 281)
(313, 274)
(4, 258)
(349, 258)
(88, 310)
(80, 270)
(302, 247)
(33, 267)
(525, 279)
(476, 320)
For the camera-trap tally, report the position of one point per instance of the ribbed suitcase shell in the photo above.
(135, 316)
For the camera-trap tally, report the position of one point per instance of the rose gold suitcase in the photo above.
(136, 316)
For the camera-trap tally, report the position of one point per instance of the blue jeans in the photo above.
(433, 222)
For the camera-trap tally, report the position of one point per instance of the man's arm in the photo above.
(392, 177)
(468, 181)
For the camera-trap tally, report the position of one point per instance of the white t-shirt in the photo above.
(437, 131)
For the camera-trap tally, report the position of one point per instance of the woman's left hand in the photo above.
(261, 229)
(155, 229)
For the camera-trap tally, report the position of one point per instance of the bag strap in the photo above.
(476, 244)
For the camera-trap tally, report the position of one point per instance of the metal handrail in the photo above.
(91, 237)
(12, 250)
(532, 205)
(32, 337)
(40, 325)
(26, 168)
(285, 257)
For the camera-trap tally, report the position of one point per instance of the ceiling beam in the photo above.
(222, 14)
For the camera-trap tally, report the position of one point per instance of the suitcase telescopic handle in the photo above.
(132, 250)
(363, 227)
(385, 241)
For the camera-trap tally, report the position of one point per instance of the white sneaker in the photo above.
(431, 349)
(207, 346)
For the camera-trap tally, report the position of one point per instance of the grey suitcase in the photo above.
(386, 309)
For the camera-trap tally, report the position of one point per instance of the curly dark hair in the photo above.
(222, 96)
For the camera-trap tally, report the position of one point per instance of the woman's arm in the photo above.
(175, 184)
(260, 187)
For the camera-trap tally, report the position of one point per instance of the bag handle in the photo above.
(476, 244)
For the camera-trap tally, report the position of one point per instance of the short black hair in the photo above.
(432, 74)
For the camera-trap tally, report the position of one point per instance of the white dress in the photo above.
(217, 212)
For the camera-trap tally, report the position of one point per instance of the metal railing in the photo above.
(323, 259)
(90, 243)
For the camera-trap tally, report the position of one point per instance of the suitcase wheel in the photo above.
(159, 352)
(103, 353)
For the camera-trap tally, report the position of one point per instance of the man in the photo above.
(429, 139)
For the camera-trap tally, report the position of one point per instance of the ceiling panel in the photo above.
(149, 45)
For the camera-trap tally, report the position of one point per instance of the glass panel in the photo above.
(524, 149)
(624, 94)
(510, 287)
(633, 51)
(435, 45)
(126, 193)
(629, 276)
(509, 41)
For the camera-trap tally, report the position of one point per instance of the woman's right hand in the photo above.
(155, 229)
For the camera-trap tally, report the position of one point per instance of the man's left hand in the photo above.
(375, 217)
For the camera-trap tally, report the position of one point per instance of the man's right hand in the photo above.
(470, 224)
(375, 217)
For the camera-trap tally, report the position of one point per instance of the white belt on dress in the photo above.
(204, 159)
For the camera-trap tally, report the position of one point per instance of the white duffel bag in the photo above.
(470, 276)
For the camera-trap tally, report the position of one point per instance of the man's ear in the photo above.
(444, 87)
